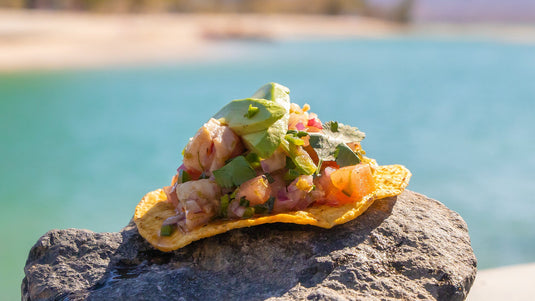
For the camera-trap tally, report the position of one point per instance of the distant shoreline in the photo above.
(44, 40)
(504, 283)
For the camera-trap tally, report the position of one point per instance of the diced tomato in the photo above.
(347, 184)
(314, 122)
(331, 164)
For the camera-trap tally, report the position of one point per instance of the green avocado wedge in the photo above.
(261, 120)
(274, 92)
(237, 115)
(263, 143)
(281, 95)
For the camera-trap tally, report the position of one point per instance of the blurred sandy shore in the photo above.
(42, 39)
(505, 283)
(52, 40)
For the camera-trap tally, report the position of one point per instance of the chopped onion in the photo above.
(170, 191)
(175, 219)
(304, 202)
(282, 195)
(300, 126)
(236, 209)
(296, 195)
(195, 220)
(283, 202)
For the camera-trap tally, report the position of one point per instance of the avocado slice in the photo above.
(281, 94)
(237, 115)
(274, 92)
(261, 120)
(265, 143)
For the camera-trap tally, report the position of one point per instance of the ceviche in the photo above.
(262, 160)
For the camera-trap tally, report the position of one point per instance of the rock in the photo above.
(406, 247)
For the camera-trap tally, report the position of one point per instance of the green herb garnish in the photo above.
(301, 134)
(265, 208)
(331, 143)
(183, 176)
(289, 163)
(244, 202)
(251, 111)
(225, 201)
(291, 175)
(233, 194)
(167, 230)
(345, 156)
(234, 173)
(253, 159)
(332, 125)
(249, 211)
(269, 177)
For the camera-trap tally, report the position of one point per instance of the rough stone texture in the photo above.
(406, 247)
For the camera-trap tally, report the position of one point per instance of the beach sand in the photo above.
(54, 40)
(35, 40)
(505, 283)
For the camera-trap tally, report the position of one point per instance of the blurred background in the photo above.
(98, 99)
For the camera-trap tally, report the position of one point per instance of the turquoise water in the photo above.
(80, 148)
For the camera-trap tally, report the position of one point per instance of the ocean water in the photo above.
(79, 148)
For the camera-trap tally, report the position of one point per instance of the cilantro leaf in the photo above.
(332, 125)
(265, 208)
(244, 202)
(342, 132)
(345, 156)
(331, 143)
(251, 111)
(234, 173)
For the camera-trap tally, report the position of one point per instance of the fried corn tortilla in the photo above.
(153, 209)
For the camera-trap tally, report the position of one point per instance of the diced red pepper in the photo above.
(314, 122)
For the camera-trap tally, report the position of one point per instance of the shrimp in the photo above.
(212, 145)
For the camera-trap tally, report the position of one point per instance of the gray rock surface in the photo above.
(406, 247)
